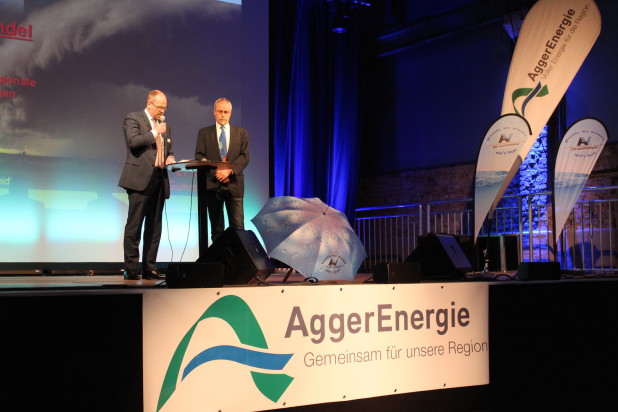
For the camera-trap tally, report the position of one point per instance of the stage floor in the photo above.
(34, 281)
(31, 280)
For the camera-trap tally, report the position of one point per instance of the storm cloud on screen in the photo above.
(93, 61)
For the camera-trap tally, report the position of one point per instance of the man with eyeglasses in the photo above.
(225, 186)
(144, 177)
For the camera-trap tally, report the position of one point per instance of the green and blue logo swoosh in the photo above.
(241, 319)
(529, 93)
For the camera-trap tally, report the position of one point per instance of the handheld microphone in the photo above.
(161, 119)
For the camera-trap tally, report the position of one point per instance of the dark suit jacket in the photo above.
(141, 153)
(238, 152)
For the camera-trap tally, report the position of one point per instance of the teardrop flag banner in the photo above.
(579, 150)
(555, 38)
(500, 147)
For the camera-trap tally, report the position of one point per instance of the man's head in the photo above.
(156, 104)
(222, 111)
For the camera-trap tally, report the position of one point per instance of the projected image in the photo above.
(69, 72)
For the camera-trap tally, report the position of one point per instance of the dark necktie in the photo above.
(223, 144)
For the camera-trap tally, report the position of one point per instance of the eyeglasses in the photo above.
(162, 108)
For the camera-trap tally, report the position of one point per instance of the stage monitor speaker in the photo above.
(194, 275)
(244, 259)
(407, 272)
(539, 271)
(440, 256)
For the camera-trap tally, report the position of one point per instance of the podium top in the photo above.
(192, 165)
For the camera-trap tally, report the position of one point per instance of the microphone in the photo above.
(161, 119)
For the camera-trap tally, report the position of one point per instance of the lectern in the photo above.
(202, 167)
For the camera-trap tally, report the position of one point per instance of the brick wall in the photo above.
(454, 182)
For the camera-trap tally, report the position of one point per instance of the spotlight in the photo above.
(340, 23)
(341, 11)
(341, 18)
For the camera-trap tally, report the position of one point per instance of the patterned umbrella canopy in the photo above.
(310, 236)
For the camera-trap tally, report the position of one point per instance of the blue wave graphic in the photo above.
(247, 357)
(489, 178)
(534, 92)
(569, 179)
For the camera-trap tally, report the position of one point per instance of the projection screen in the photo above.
(69, 72)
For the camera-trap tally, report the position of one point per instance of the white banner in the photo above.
(260, 348)
(500, 147)
(579, 150)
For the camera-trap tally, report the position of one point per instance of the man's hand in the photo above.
(223, 175)
(160, 128)
(170, 160)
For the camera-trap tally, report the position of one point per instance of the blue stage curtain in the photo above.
(315, 99)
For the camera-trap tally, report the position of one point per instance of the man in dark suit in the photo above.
(144, 176)
(225, 186)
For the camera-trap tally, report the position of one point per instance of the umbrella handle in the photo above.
(287, 275)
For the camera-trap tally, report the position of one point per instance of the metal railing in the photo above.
(389, 233)
(589, 240)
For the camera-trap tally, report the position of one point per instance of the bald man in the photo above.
(144, 177)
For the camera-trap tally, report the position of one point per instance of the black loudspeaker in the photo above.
(409, 272)
(539, 271)
(194, 275)
(244, 259)
(440, 256)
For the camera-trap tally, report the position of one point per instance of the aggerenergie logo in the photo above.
(236, 313)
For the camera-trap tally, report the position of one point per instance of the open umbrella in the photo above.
(310, 236)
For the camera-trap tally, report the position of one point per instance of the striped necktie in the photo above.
(223, 144)
(159, 161)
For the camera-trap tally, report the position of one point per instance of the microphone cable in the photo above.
(167, 227)
(169, 240)
(190, 215)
